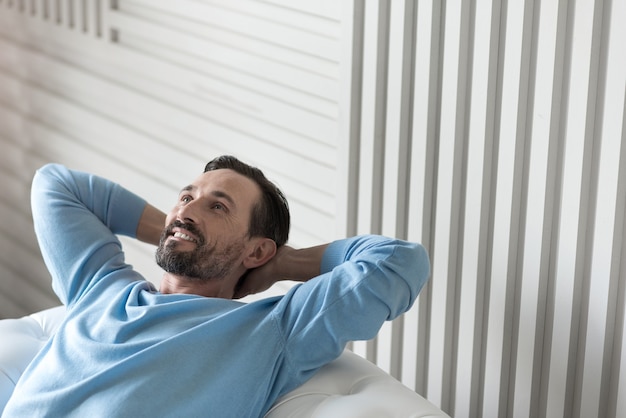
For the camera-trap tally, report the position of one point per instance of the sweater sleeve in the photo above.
(365, 281)
(76, 217)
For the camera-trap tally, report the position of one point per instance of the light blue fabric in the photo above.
(127, 350)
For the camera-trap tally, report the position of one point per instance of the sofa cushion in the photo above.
(22, 339)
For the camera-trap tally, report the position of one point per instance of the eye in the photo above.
(218, 206)
(185, 198)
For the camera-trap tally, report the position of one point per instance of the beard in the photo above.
(203, 263)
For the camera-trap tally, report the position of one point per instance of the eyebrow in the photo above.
(223, 195)
(189, 188)
(215, 193)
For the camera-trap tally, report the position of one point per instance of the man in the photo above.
(189, 349)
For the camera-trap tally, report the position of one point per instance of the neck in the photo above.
(219, 288)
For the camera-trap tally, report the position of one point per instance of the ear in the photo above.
(262, 252)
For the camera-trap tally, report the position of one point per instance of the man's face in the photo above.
(207, 231)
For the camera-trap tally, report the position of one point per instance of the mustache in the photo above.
(188, 226)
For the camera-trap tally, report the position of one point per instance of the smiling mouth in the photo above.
(184, 237)
(180, 232)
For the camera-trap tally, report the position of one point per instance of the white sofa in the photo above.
(348, 387)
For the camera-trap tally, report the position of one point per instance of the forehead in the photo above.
(239, 188)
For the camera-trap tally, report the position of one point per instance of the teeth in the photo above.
(183, 236)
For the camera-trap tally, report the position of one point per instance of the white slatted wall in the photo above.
(491, 131)
(146, 92)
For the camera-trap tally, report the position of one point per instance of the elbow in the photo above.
(410, 270)
(417, 270)
(422, 266)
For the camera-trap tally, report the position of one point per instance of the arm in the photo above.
(76, 217)
(364, 281)
(151, 225)
(299, 265)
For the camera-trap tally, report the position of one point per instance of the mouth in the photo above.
(181, 232)
(184, 237)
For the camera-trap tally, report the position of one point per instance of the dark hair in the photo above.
(270, 217)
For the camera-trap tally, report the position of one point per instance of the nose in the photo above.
(187, 212)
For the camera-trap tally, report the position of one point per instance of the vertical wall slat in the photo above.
(518, 281)
(373, 115)
(594, 394)
(549, 101)
(609, 390)
(449, 200)
(371, 159)
(612, 70)
(536, 203)
(511, 161)
(424, 133)
(591, 59)
(557, 398)
(484, 60)
(347, 185)
(597, 306)
(462, 122)
(617, 382)
(397, 135)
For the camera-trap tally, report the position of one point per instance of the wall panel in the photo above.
(254, 78)
(523, 311)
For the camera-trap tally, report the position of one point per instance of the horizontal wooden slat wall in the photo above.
(493, 132)
(145, 92)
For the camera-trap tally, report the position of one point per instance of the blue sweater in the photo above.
(125, 349)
